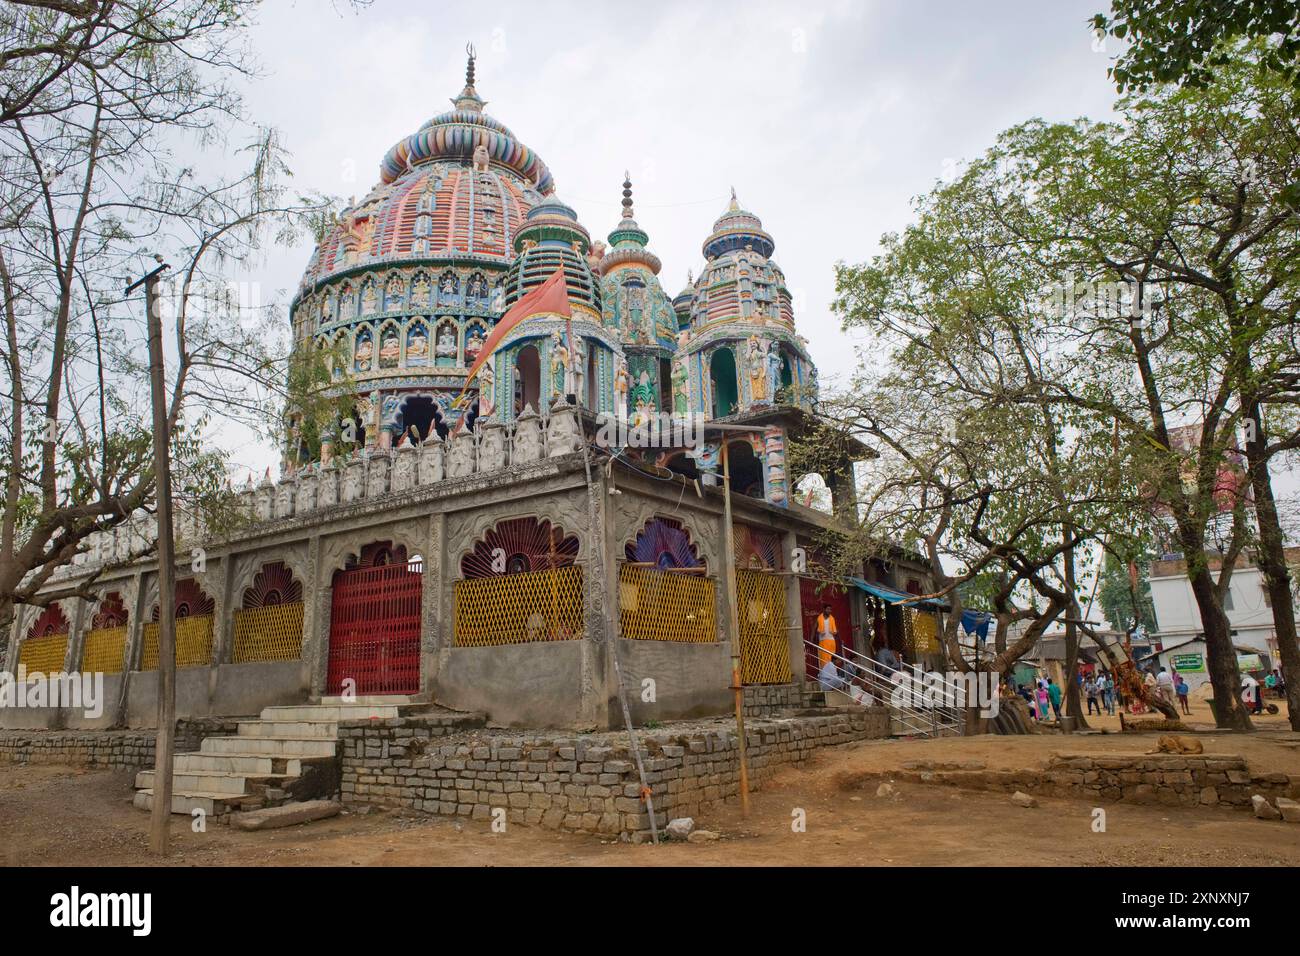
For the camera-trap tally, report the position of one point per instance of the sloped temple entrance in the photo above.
(375, 626)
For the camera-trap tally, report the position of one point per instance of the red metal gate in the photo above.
(375, 629)
(812, 595)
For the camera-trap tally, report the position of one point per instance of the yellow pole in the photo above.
(733, 620)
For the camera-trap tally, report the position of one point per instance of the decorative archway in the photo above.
(519, 583)
(46, 644)
(103, 649)
(757, 549)
(273, 585)
(664, 543)
(528, 379)
(112, 612)
(49, 623)
(191, 601)
(722, 376)
(375, 621)
(518, 545)
(746, 469)
(268, 627)
(194, 610)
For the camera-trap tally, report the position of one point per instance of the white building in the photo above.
(1179, 635)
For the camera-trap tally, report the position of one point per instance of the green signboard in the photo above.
(1188, 663)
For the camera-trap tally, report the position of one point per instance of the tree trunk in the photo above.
(1221, 655)
(1271, 560)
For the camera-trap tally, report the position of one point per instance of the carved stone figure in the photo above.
(492, 447)
(377, 476)
(481, 159)
(562, 434)
(445, 350)
(461, 458)
(528, 437)
(404, 468)
(431, 459)
(354, 481)
(284, 499)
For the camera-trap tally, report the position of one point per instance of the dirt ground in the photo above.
(59, 816)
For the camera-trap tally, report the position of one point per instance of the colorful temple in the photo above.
(401, 295)
(476, 543)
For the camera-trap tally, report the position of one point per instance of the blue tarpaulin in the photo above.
(894, 597)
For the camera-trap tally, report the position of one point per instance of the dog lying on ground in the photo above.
(1178, 745)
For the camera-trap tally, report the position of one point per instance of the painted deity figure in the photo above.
(446, 346)
(578, 378)
(486, 391)
(420, 292)
(559, 363)
(369, 300)
(621, 382)
(681, 391)
(757, 371)
(477, 288)
(473, 346)
(390, 348)
(773, 372)
(417, 346)
(447, 290)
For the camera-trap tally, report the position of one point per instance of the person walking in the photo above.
(1042, 700)
(1165, 685)
(1183, 690)
(1054, 695)
(1106, 687)
(1090, 688)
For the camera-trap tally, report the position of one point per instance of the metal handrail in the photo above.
(952, 716)
(922, 721)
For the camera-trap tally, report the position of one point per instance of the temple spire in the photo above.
(627, 195)
(469, 98)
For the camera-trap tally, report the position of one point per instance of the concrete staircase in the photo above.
(286, 754)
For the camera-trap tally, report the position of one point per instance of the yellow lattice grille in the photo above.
(43, 655)
(764, 643)
(656, 605)
(920, 632)
(104, 650)
(519, 608)
(271, 633)
(193, 643)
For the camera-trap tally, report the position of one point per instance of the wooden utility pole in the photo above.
(160, 822)
(733, 621)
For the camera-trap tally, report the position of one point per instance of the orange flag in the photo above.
(551, 296)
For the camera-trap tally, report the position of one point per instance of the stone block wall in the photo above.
(121, 749)
(769, 700)
(1165, 779)
(584, 784)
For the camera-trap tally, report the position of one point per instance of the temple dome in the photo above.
(551, 237)
(459, 188)
(737, 228)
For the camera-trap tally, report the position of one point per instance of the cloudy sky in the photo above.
(826, 117)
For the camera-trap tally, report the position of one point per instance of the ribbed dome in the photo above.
(436, 211)
(738, 228)
(552, 237)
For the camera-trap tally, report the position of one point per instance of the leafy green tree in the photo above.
(1183, 41)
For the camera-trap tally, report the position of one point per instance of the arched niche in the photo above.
(519, 545)
(724, 382)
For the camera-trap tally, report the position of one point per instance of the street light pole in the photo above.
(160, 820)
